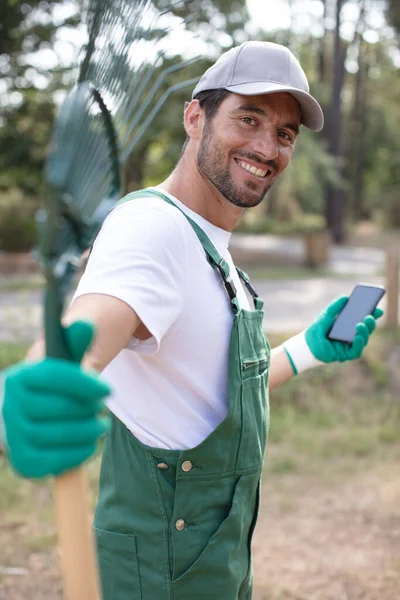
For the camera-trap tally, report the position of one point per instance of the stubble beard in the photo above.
(209, 159)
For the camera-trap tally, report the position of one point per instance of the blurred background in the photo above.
(330, 519)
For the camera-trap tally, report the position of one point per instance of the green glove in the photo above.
(51, 410)
(312, 346)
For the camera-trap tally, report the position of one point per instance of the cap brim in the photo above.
(312, 116)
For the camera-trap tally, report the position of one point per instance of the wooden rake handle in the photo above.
(75, 536)
(71, 493)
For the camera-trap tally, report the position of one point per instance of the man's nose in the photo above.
(267, 145)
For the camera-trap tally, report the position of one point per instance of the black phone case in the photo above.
(374, 303)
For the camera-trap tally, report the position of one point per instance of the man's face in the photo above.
(248, 144)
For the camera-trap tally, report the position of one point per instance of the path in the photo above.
(289, 305)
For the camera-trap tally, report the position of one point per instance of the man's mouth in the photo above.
(252, 169)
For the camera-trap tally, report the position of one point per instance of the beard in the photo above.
(210, 158)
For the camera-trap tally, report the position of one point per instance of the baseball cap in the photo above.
(263, 68)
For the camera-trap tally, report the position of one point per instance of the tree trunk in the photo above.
(335, 199)
(322, 48)
(134, 170)
(359, 127)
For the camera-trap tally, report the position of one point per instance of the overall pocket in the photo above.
(118, 564)
(223, 567)
(254, 366)
(255, 422)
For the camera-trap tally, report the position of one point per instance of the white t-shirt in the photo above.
(170, 390)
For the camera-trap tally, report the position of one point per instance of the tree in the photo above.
(27, 101)
(335, 199)
(393, 12)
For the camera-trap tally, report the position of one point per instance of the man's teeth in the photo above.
(252, 169)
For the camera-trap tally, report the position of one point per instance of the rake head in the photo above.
(122, 84)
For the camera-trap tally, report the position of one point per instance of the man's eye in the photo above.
(248, 120)
(285, 135)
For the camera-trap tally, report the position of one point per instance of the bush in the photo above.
(392, 209)
(17, 222)
(304, 223)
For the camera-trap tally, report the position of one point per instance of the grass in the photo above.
(296, 272)
(337, 414)
(11, 353)
(282, 272)
(21, 284)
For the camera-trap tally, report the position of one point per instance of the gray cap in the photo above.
(263, 68)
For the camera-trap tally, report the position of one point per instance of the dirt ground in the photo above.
(338, 542)
(316, 540)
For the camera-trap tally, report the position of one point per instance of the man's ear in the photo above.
(193, 120)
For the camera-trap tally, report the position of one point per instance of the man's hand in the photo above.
(313, 347)
(52, 410)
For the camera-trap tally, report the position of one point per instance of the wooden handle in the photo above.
(392, 288)
(75, 537)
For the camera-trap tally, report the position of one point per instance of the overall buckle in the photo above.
(226, 278)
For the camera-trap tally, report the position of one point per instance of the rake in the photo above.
(122, 84)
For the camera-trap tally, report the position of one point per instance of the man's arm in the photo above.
(115, 322)
(280, 369)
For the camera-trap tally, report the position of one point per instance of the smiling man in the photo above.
(179, 340)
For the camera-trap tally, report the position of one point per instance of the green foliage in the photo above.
(28, 108)
(17, 222)
(301, 224)
(393, 9)
(312, 168)
(10, 354)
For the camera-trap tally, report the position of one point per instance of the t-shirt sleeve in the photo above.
(139, 256)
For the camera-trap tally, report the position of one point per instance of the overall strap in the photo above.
(258, 302)
(213, 256)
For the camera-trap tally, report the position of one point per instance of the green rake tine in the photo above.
(84, 196)
(161, 53)
(141, 89)
(135, 82)
(150, 97)
(103, 186)
(156, 38)
(82, 157)
(91, 159)
(111, 146)
(112, 141)
(143, 66)
(86, 166)
(101, 177)
(76, 127)
(150, 29)
(117, 52)
(91, 45)
(85, 192)
(150, 117)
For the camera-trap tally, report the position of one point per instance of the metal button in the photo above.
(186, 466)
(180, 525)
(162, 466)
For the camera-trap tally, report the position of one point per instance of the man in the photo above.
(183, 349)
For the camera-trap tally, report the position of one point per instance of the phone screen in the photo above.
(361, 303)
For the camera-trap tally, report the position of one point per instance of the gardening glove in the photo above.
(51, 410)
(312, 347)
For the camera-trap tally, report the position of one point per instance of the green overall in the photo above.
(177, 524)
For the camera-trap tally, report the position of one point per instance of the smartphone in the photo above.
(362, 302)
